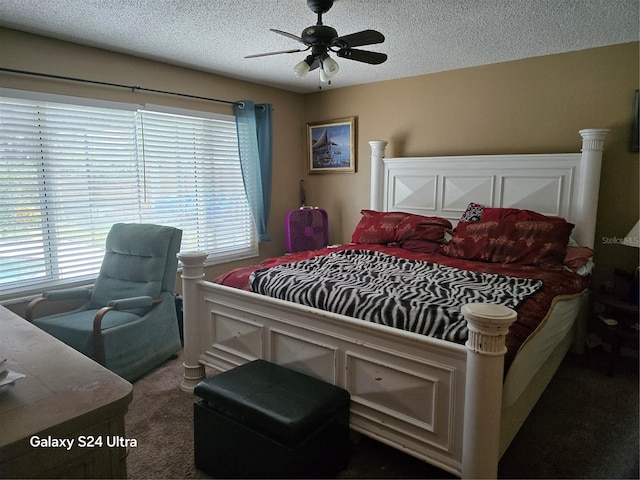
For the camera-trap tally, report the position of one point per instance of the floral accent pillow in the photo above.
(473, 213)
(540, 243)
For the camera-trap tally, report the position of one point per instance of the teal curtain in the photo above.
(255, 148)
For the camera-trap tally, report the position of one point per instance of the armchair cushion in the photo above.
(134, 263)
(77, 328)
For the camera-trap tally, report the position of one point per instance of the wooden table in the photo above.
(65, 397)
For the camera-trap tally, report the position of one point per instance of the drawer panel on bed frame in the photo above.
(410, 399)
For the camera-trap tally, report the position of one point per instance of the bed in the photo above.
(454, 405)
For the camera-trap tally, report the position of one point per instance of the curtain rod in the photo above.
(130, 87)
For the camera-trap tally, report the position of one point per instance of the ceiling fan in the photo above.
(322, 39)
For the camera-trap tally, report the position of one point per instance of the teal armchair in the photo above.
(128, 321)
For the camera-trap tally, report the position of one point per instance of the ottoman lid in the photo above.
(280, 402)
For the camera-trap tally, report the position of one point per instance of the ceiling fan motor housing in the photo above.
(319, 34)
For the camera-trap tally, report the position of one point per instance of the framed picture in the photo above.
(635, 124)
(331, 146)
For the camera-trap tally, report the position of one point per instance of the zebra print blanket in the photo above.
(413, 295)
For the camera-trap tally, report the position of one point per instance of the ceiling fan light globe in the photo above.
(324, 77)
(301, 69)
(330, 66)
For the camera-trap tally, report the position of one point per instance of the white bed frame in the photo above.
(445, 403)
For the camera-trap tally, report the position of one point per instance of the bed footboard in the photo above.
(407, 390)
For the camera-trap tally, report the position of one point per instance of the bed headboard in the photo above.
(564, 185)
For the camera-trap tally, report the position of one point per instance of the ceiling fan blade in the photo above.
(358, 39)
(276, 53)
(374, 58)
(288, 35)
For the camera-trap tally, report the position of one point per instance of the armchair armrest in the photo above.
(133, 302)
(67, 294)
(77, 293)
(120, 304)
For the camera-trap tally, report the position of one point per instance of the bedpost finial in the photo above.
(192, 264)
(593, 138)
(378, 146)
(488, 326)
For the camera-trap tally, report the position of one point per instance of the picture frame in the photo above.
(635, 123)
(331, 146)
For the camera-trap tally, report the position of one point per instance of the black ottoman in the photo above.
(261, 420)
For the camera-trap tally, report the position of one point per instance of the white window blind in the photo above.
(68, 172)
(191, 173)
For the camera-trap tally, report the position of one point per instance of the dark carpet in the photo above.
(585, 426)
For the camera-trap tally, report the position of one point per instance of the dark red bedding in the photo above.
(557, 281)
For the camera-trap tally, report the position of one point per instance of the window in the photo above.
(68, 171)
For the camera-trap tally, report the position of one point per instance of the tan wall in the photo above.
(528, 106)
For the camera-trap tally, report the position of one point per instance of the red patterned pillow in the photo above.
(516, 214)
(421, 246)
(377, 227)
(577, 257)
(396, 227)
(417, 227)
(523, 242)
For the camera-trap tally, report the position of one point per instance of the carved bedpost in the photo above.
(192, 272)
(592, 147)
(488, 327)
(587, 204)
(377, 187)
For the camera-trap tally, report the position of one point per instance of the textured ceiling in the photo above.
(422, 36)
